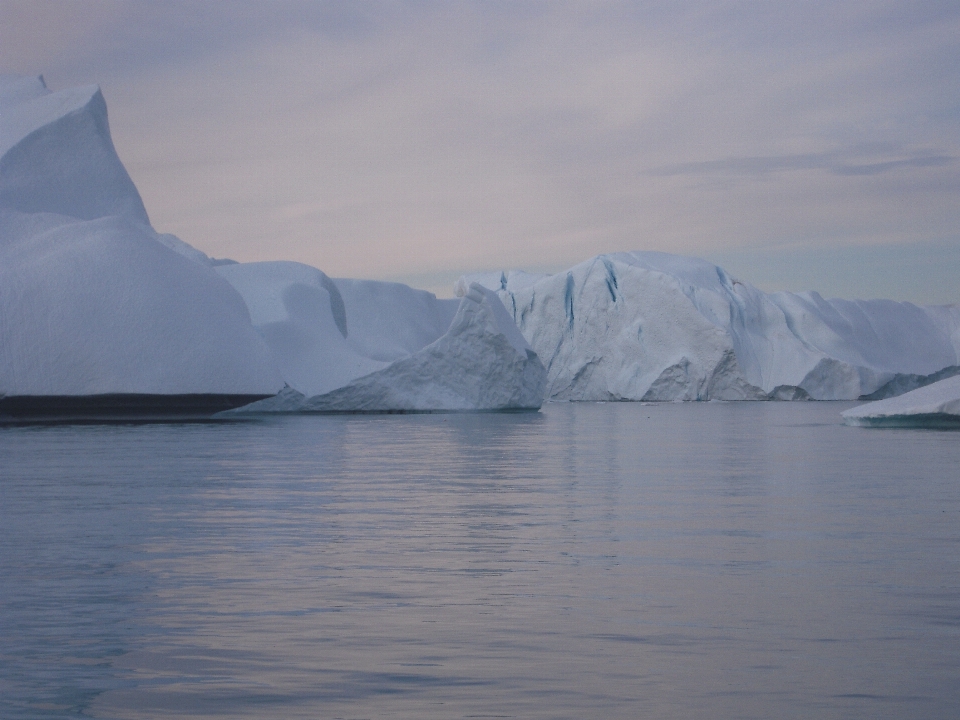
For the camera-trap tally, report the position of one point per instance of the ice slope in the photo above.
(92, 300)
(935, 405)
(366, 346)
(654, 326)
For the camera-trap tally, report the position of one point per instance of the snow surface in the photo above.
(658, 327)
(361, 345)
(937, 404)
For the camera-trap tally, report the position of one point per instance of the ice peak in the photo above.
(56, 154)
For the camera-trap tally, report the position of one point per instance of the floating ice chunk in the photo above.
(935, 405)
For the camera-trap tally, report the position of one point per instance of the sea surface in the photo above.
(622, 560)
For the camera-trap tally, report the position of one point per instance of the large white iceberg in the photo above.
(366, 346)
(658, 327)
(935, 405)
(100, 314)
(93, 302)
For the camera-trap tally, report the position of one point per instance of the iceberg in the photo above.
(658, 327)
(97, 312)
(100, 315)
(934, 405)
(365, 346)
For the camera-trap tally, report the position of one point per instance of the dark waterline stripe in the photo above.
(118, 406)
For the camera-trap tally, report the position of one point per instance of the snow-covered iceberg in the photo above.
(102, 315)
(935, 405)
(93, 302)
(658, 327)
(365, 346)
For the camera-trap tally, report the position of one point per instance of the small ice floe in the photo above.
(935, 405)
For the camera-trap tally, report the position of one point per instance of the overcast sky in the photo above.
(802, 145)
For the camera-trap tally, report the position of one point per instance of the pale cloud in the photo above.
(847, 163)
(420, 140)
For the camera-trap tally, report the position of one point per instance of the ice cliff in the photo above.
(658, 327)
(936, 405)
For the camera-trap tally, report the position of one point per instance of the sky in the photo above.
(801, 145)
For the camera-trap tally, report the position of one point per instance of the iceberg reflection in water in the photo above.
(607, 560)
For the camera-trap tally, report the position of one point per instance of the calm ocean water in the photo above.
(742, 560)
